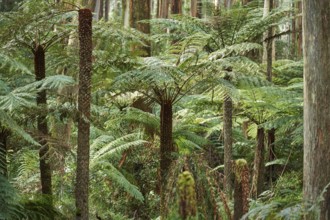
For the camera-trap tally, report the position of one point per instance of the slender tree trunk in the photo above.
(176, 7)
(163, 8)
(125, 12)
(84, 101)
(316, 26)
(101, 9)
(140, 10)
(294, 35)
(194, 9)
(166, 150)
(4, 134)
(259, 164)
(106, 10)
(299, 28)
(271, 153)
(45, 168)
(227, 133)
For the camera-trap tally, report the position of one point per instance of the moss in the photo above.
(187, 193)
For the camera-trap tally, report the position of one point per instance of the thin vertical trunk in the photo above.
(259, 164)
(316, 26)
(106, 10)
(125, 12)
(45, 168)
(140, 10)
(166, 150)
(294, 35)
(4, 134)
(101, 9)
(271, 153)
(299, 28)
(193, 8)
(176, 7)
(227, 134)
(268, 53)
(84, 101)
(163, 8)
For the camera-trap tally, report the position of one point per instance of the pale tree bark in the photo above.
(125, 12)
(195, 8)
(84, 101)
(316, 26)
(163, 8)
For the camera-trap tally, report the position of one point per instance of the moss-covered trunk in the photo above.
(45, 168)
(84, 101)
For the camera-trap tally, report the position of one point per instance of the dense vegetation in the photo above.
(193, 111)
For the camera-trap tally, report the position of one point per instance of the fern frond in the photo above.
(10, 124)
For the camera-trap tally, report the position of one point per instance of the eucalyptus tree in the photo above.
(316, 109)
(33, 28)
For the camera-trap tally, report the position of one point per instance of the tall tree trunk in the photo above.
(316, 26)
(166, 150)
(299, 28)
(195, 8)
(140, 10)
(125, 12)
(259, 164)
(45, 168)
(106, 10)
(176, 7)
(101, 9)
(227, 134)
(84, 101)
(163, 8)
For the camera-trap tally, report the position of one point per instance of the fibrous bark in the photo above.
(259, 164)
(166, 149)
(227, 134)
(316, 26)
(45, 168)
(241, 192)
(84, 100)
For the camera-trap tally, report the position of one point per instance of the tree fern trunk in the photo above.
(259, 164)
(45, 168)
(84, 100)
(227, 134)
(166, 149)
